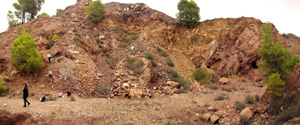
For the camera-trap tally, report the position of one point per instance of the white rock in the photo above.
(247, 113)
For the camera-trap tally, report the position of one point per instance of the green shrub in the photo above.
(112, 61)
(212, 87)
(51, 98)
(148, 55)
(239, 105)
(2, 87)
(170, 62)
(75, 38)
(55, 37)
(275, 85)
(104, 90)
(226, 89)
(219, 98)
(25, 30)
(287, 114)
(173, 73)
(279, 102)
(183, 82)
(25, 56)
(45, 14)
(58, 10)
(72, 98)
(214, 78)
(249, 99)
(95, 10)
(202, 76)
(134, 65)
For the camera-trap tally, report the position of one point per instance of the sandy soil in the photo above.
(175, 109)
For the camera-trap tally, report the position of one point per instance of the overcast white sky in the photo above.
(284, 14)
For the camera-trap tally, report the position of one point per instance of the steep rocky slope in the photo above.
(228, 46)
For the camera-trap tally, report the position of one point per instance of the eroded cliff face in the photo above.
(80, 55)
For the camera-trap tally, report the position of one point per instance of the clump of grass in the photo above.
(249, 99)
(287, 114)
(170, 62)
(134, 65)
(243, 80)
(257, 98)
(226, 89)
(112, 61)
(153, 63)
(173, 73)
(75, 38)
(148, 55)
(219, 98)
(51, 98)
(72, 98)
(214, 78)
(25, 30)
(104, 90)
(55, 37)
(128, 40)
(212, 87)
(2, 87)
(183, 82)
(202, 75)
(239, 105)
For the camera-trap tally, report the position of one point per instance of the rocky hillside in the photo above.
(88, 54)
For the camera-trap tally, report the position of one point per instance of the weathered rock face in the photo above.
(86, 49)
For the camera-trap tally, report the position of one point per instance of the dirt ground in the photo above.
(170, 109)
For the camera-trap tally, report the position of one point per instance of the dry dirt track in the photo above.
(175, 109)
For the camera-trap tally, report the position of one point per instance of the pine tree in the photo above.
(25, 56)
(188, 13)
(95, 10)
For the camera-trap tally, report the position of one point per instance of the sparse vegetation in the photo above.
(290, 113)
(220, 98)
(25, 56)
(45, 14)
(72, 98)
(2, 87)
(170, 62)
(212, 87)
(257, 98)
(104, 90)
(51, 98)
(95, 10)
(55, 37)
(25, 30)
(279, 102)
(75, 38)
(239, 105)
(153, 63)
(134, 65)
(249, 99)
(183, 82)
(202, 76)
(148, 55)
(226, 89)
(58, 10)
(173, 73)
(112, 61)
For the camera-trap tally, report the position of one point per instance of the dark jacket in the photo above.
(25, 92)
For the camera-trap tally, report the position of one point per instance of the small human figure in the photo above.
(49, 57)
(25, 94)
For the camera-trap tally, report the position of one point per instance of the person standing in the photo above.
(25, 94)
(49, 57)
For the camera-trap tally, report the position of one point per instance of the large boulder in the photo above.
(173, 84)
(224, 80)
(247, 113)
(135, 93)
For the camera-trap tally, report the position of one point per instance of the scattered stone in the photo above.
(224, 80)
(173, 84)
(214, 118)
(4, 105)
(136, 93)
(211, 109)
(247, 113)
(206, 116)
